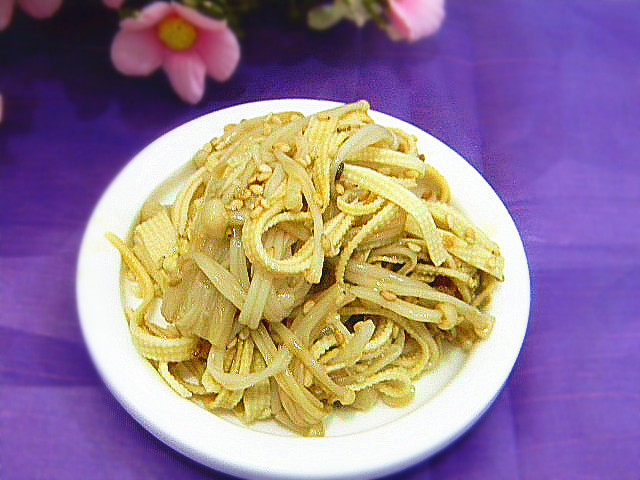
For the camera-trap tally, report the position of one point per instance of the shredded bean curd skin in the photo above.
(310, 263)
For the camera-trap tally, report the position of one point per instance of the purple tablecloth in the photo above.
(542, 97)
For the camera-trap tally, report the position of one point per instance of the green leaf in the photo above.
(326, 16)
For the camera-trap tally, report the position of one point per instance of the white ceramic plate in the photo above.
(357, 445)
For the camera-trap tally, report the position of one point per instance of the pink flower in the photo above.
(113, 3)
(415, 19)
(1, 107)
(35, 8)
(186, 44)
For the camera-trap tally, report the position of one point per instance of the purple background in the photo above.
(542, 97)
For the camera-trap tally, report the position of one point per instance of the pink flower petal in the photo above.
(198, 19)
(136, 53)
(186, 72)
(148, 17)
(113, 3)
(1, 107)
(6, 12)
(40, 8)
(220, 52)
(415, 19)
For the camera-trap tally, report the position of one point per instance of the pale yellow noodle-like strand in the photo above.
(336, 229)
(319, 133)
(228, 399)
(342, 110)
(384, 156)
(314, 271)
(380, 337)
(430, 352)
(474, 254)
(256, 400)
(394, 192)
(359, 208)
(256, 252)
(345, 396)
(141, 275)
(305, 365)
(148, 345)
(390, 374)
(158, 238)
(379, 220)
(385, 355)
(401, 307)
(180, 209)
(443, 190)
(448, 217)
(221, 278)
(446, 272)
(163, 368)
(311, 406)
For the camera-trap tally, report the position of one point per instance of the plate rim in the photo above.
(369, 462)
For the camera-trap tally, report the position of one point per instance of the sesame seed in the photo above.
(283, 147)
(387, 295)
(308, 306)
(170, 264)
(414, 247)
(244, 334)
(256, 189)
(264, 168)
(261, 177)
(197, 203)
(183, 245)
(340, 189)
(256, 212)
(395, 330)
(448, 243)
(236, 204)
(470, 236)
(326, 244)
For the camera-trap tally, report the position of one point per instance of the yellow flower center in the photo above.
(176, 33)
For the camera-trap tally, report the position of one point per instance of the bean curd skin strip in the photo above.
(383, 156)
(141, 275)
(346, 397)
(401, 307)
(379, 220)
(359, 208)
(307, 263)
(232, 381)
(406, 200)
